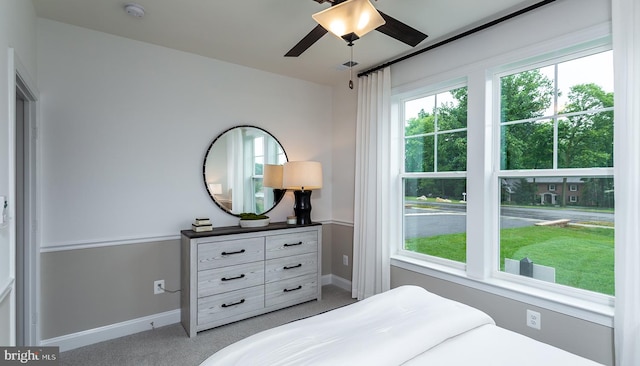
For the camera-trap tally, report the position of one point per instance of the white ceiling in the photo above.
(257, 33)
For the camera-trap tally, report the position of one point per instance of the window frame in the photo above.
(437, 88)
(554, 58)
(483, 196)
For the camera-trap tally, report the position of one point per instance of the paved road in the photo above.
(451, 218)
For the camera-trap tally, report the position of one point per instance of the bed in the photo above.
(404, 326)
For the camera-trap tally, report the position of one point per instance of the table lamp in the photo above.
(302, 177)
(272, 177)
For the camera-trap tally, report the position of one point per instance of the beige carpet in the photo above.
(170, 345)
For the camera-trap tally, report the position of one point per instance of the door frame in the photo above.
(21, 82)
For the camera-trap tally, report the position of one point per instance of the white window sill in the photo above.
(582, 309)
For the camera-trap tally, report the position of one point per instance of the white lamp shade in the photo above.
(351, 16)
(302, 175)
(272, 176)
(215, 188)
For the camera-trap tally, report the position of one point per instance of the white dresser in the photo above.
(233, 273)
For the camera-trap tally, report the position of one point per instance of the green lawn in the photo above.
(582, 257)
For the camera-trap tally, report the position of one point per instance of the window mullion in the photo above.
(480, 215)
(555, 117)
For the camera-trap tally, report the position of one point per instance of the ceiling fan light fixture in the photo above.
(352, 16)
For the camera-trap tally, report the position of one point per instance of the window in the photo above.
(434, 179)
(529, 176)
(256, 176)
(556, 134)
(261, 150)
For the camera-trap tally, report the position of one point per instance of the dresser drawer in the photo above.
(285, 245)
(214, 308)
(289, 267)
(225, 279)
(293, 290)
(230, 252)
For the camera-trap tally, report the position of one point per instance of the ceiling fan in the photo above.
(392, 28)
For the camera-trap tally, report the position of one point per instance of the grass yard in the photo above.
(582, 256)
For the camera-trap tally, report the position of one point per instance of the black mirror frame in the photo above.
(277, 198)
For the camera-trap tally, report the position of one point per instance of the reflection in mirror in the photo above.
(234, 166)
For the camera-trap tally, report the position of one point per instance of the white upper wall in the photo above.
(345, 101)
(126, 124)
(543, 24)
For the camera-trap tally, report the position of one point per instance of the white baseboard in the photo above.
(332, 279)
(101, 334)
(86, 337)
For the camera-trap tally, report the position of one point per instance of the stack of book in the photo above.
(201, 224)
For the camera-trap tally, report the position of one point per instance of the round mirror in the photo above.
(233, 170)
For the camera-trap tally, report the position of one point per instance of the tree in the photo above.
(586, 140)
(527, 145)
(525, 192)
(436, 187)
(440, 132)
(452, 146)
(418, 146)
(597, 192)
(423, 131)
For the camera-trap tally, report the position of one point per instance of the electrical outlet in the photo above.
(345, 260)
(158, 287)
(534, 320)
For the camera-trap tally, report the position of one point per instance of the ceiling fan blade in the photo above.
(307, 41)
(400, 31)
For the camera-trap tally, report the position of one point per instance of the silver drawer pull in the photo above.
(293, 245)
(233, 304)
(230, 253)
(232, 278)
(293, 289)
(292, 267)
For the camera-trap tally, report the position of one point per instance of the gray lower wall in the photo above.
(84, 289)
(575, 335)
(341, 244)
(88, 288)
(5, 316)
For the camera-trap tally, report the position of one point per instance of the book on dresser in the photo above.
(200, 221)
(201, 228)
(233, 273)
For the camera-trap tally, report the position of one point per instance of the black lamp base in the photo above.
(278, 194)
(302, 207)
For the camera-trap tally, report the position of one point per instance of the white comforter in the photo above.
(387, 329)
(404, 326)
(494, 346)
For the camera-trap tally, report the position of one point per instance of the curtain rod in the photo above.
(458, 36)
